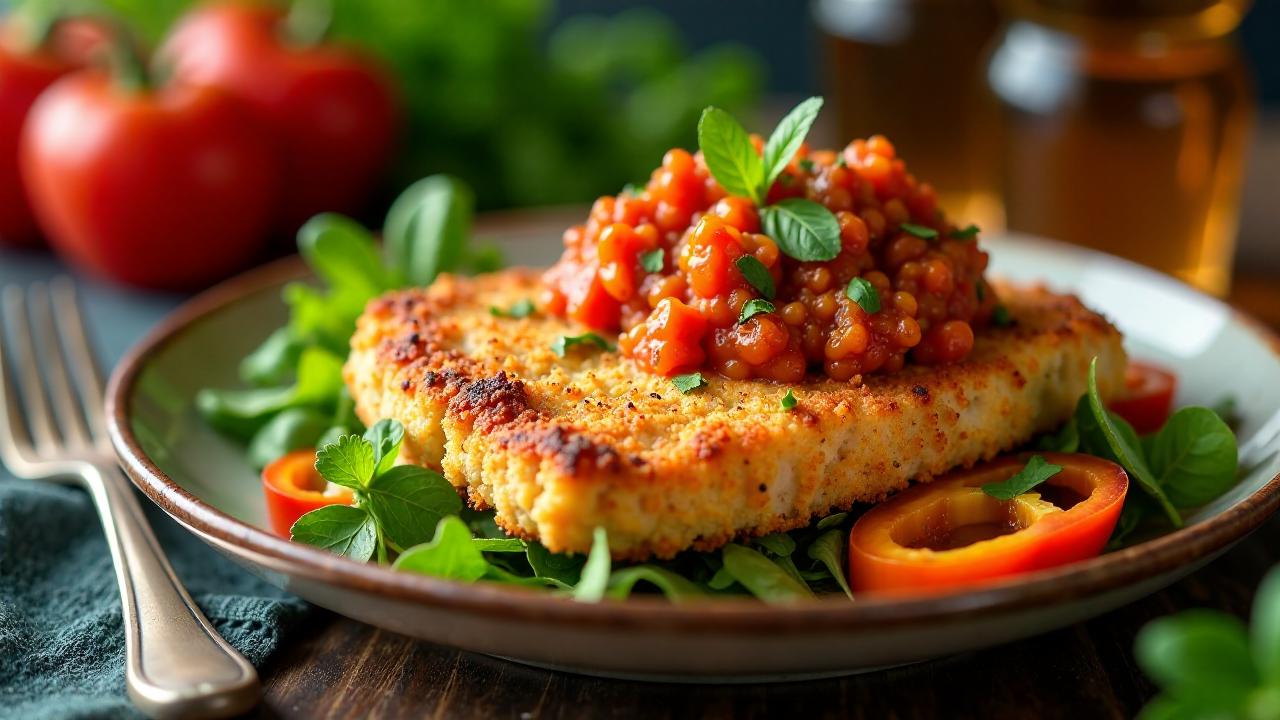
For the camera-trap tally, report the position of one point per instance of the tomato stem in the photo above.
(308, 22)
(127, 65)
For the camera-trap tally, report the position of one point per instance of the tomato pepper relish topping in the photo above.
(667, 266)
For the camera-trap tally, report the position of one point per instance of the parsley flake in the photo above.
(519, 309)
(920, 231)
(754, 307)
(1001, 317)
(1036, 471)
(652, 261)
(564, 343)
(967, 233)
(688, 383)
(861, 291)
(788, 401)
(806, 165)
(757, 274)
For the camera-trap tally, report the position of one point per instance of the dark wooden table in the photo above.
(340, 668)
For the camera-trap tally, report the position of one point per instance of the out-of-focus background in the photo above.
(1147, 128)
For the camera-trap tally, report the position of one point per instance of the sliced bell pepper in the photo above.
(949, 534)
(294, 487)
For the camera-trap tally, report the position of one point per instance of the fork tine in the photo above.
(79, 353)
(40, 422)
(66, 408)
(15, 440)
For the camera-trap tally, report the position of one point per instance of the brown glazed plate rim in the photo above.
(1080, 581)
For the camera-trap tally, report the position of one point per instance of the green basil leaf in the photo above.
(763, 577)
(292, 429)
(343, 253)
(1199, 653)
(1125, 448)
(563, 567)
(348, 462)
(674, 587)
(274, 360)
(788, 401)
(1265, 630)
(595, 573)
(562, 344)
(754, 307)
(828, 549)
(861, 291)
(340, 529)
(780, 544)
(385, 436)
(803, 229)
(1036, 471)
(757, 275)
(1194, 457)
(920, 231)
(499, 545)
(729, 154)
(409, 501)
(427, 229)
(688, 383)
(787, 138)
(451, 554)
(652, 261)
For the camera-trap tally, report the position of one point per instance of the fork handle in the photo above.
(176, 664)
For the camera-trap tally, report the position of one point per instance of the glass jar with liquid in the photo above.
(1124, 127)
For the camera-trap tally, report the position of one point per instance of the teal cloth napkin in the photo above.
(61, 641)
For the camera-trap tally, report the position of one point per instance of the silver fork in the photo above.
(176, 664)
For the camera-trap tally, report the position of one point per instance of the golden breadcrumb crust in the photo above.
(559, 446)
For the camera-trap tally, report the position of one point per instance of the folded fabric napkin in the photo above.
(61, 641)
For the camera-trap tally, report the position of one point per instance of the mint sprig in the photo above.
(1036, 471)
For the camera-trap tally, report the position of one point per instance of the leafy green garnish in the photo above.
(754, 307)
(788, 401)
(652, 261)
(787, 138)
(385, 436)
(806, 165)
(426, 229)
(564, 568)
(673, 586)
(763, 577)
(831, 521)
(803, 229)
(920, 231)
(564, 343)
(688, 383)
(1001, 317)
(861, 291)
(519, 309)
(451, 554)
(1194, 457)
(292, 429)
(828, 549)
(966, 233)
(243, 413)
(349, 462)
(730, 156)
(1036, 471)
(595, 573)
(409, 501)
(340, 529)
(757, 275)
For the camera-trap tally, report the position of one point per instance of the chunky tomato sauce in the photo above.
(678, 310)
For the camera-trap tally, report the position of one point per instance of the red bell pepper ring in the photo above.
(294, 488)
(949, 534)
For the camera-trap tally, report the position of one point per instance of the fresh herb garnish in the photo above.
(595, 573)
(452, 553)
(688, 383)
(564, 343)
(762, 576)
(828, 549)
(519, 309)
(967, 233)
(757, 275)
(340, 529)
(803, 229)
(1036, 471)
(754, 307)
(787, 138)
(652, 261)
(730, 155)
(806, 165)
(920, 231)
(1001, 317)
(788, 401)
(1193, 457)
(862, 292)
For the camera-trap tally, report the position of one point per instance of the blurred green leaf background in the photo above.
(528, 113)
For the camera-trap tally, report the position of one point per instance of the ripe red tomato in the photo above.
(332, 109)
(170, 188)
(23, 76)
(1147, 398)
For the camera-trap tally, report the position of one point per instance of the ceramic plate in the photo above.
(203, 481)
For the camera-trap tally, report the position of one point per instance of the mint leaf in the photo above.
(861, 291)
(562, 344)
(760, 575)
(803, 229)
(828, 549)
(967, 233)
(595, 573)
(1036, 471)
(340, 529)
(427, 229)
(385, 436)
(920, 231)
(348, 462)
(754, 307)
(688, 383)
(788, 401)
(519, 309)
(652, 261)
(451, 554)
(1194, 457)
(729, 154)
(674, 587)
(756, 274)
(409, 501)
(787, 138)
